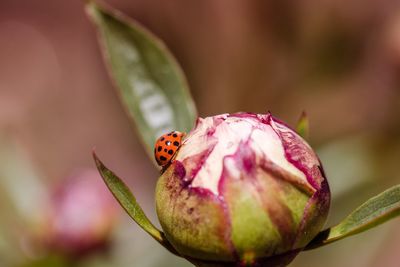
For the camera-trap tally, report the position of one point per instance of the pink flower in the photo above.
(82, 214)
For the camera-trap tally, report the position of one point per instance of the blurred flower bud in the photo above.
(82, 215)
(243, 188)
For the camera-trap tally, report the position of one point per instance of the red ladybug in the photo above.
(166, 147)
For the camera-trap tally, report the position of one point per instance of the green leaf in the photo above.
(374, 212)
(150, 83)
(127, 200)
(303, 125)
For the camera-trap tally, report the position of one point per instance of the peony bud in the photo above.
(243, 188)
(82, 215)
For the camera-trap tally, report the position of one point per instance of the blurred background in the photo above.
(338, 60)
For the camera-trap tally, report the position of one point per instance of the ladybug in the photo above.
(166, 147)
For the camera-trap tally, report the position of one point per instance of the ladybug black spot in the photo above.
(170, 152)
(176, 143)
(169, 134)
(175, 135)
(165, 150)
(162, 138)
(162, 158)
(159, 148)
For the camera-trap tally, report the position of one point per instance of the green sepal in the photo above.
(373, 212)
(150, 83)
(128, 202)
(303, 125)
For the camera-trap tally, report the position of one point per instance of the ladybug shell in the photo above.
(166, 147)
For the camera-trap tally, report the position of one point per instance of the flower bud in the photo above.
(242, 188)
(82, 215)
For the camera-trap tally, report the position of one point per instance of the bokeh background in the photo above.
(338, 60)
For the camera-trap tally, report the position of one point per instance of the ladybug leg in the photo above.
(164, 168)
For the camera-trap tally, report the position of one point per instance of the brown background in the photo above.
(338, 60)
